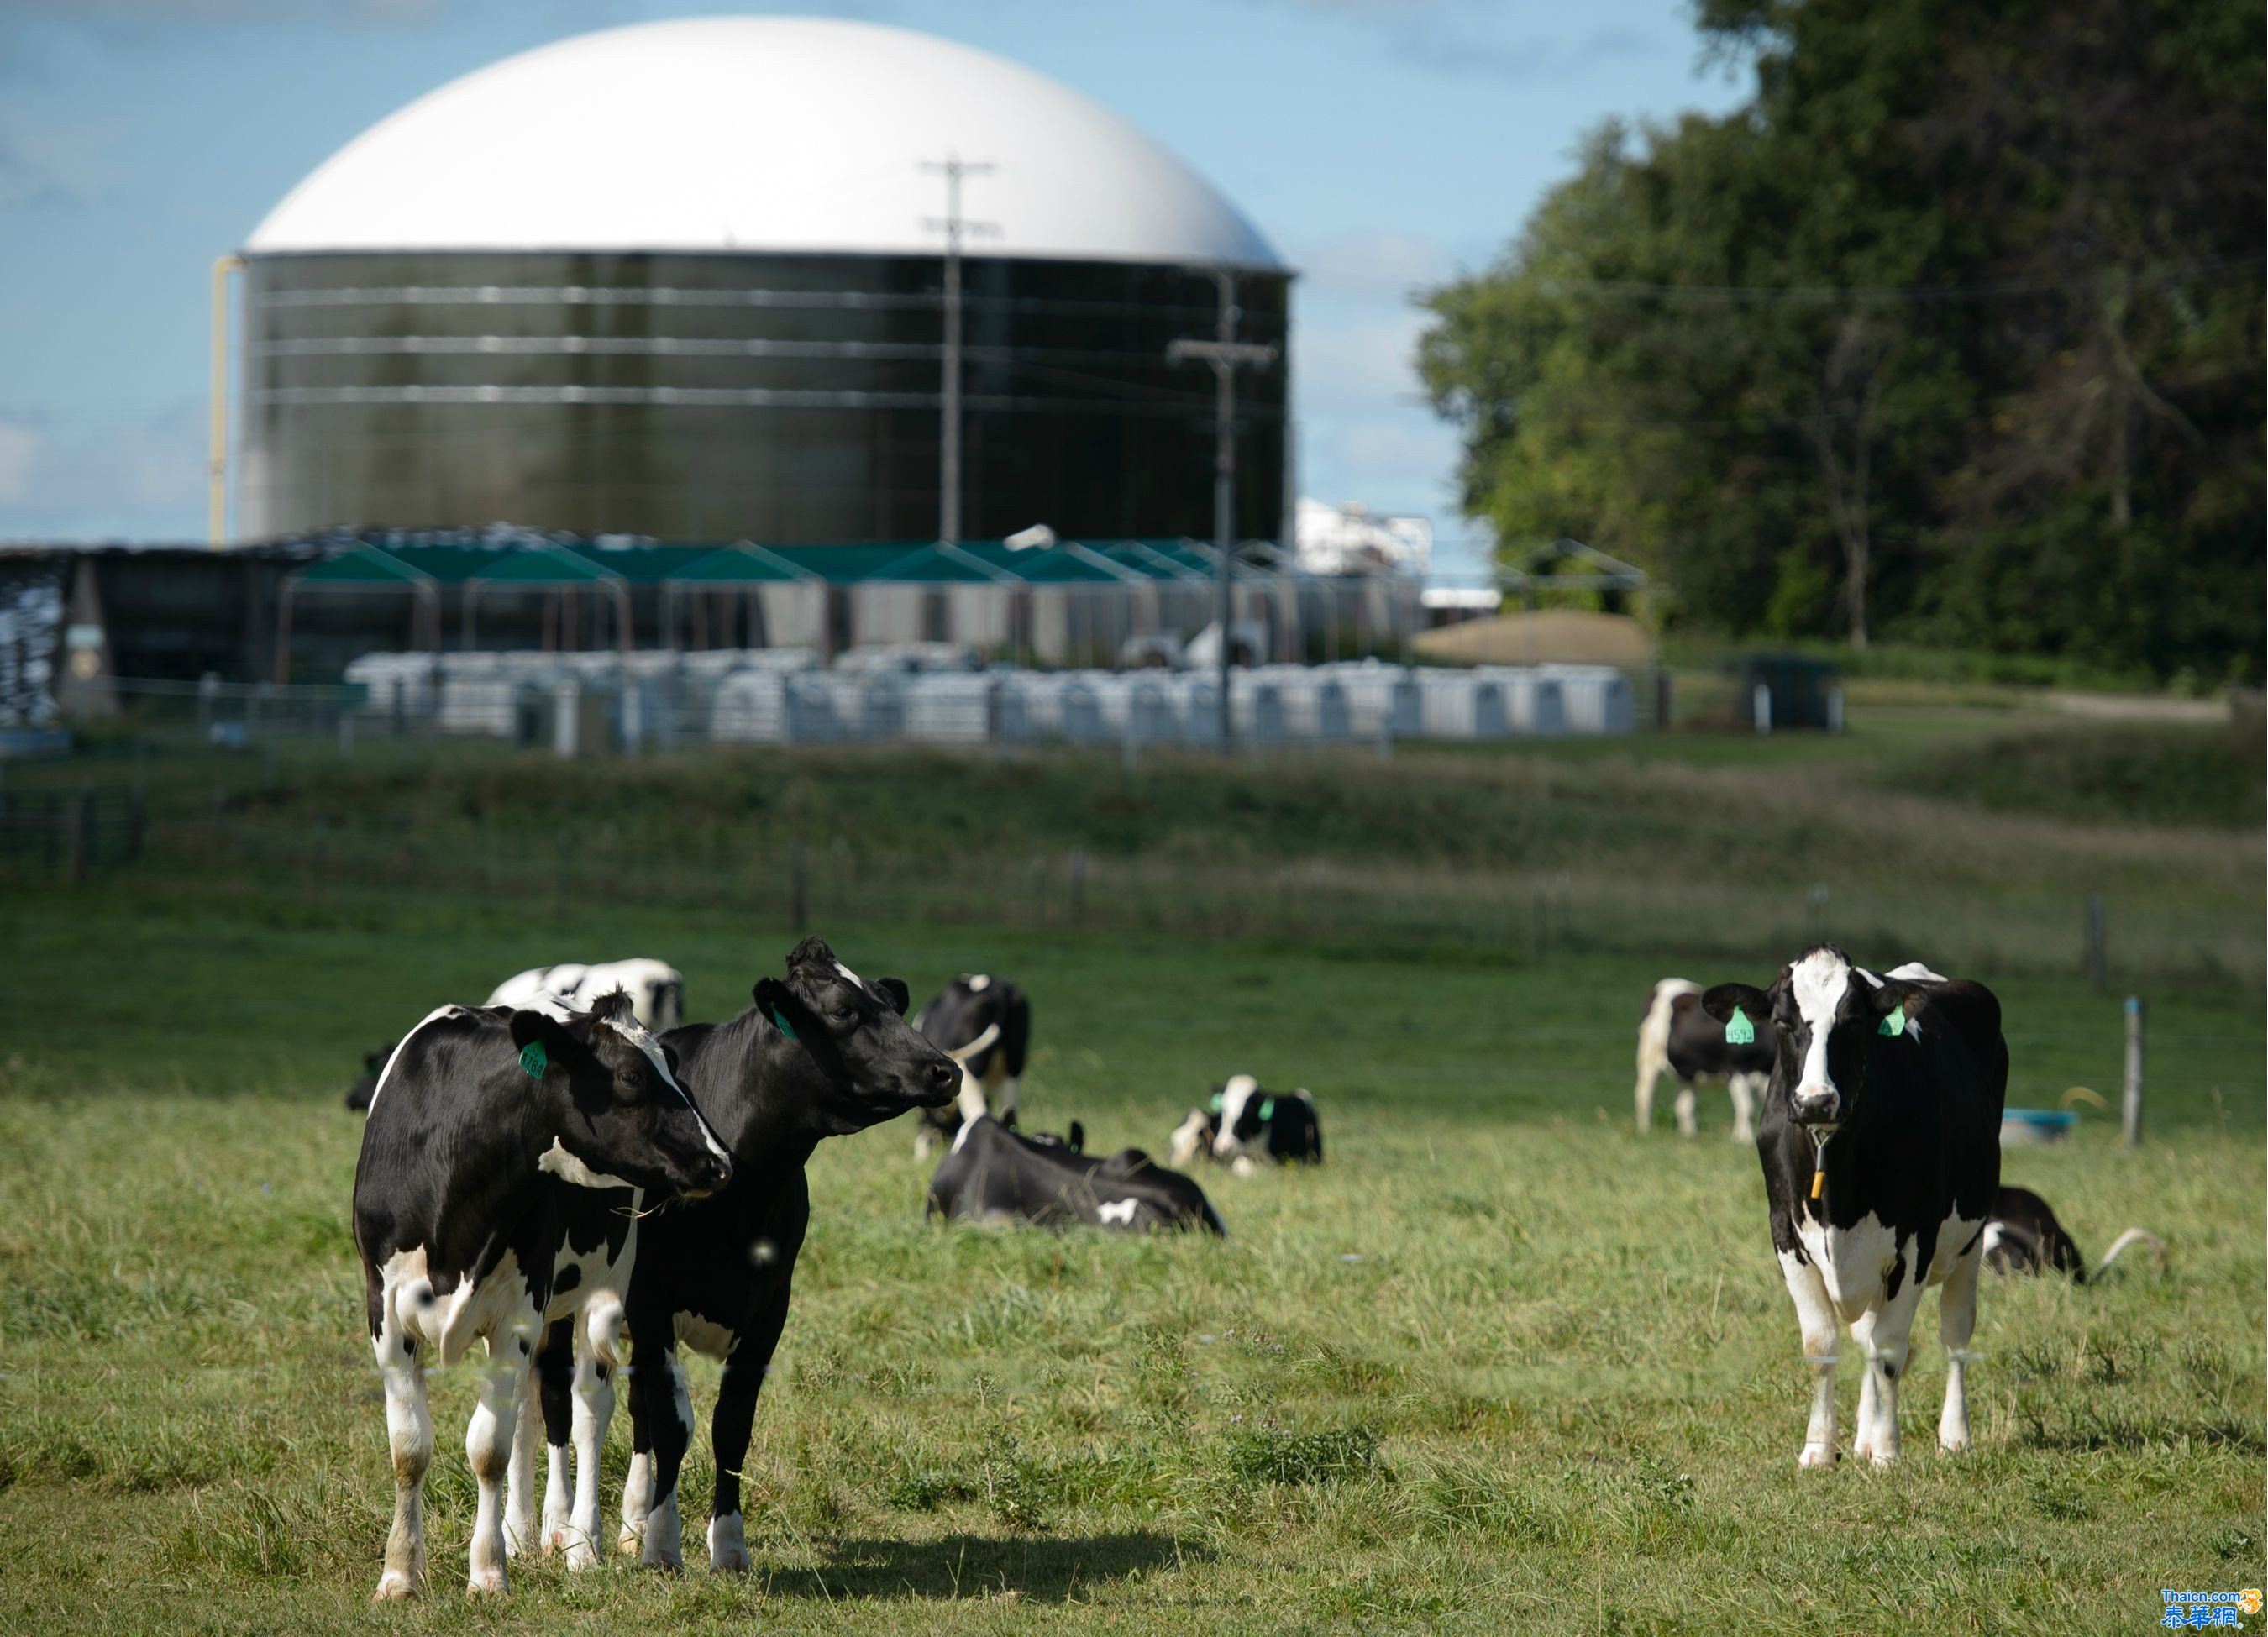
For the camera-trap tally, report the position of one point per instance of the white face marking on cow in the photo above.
(1189, 1138)
(1120, 1211)
(394, 1056)
(568, 1169)
(1819, 982)
(635, 1032)
(1239, 1091)
(978, 983)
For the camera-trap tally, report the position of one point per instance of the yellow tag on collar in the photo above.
(1818, 1182)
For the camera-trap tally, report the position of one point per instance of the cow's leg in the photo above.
(555, 1365)
(638, 1484)
(1956, 1320)
(488, 1444)
(1686, 1127)
(1815, 1315)
(1883, 1333)
(596, 1360)
(926, 1141)
(729, 1425)
(1642, 1094)
(1862, 1435)
(409, 1437)
(520, 1483)
(1006, 1104)
(668, 1411)
(1742, 1088)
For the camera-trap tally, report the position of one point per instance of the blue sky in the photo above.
(1381, 144)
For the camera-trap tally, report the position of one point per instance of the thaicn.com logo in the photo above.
(2196, 1610)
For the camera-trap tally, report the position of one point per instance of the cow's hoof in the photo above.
(1956, 1446)
(728, 1551)
(395, 1586)
(630, 1541)
(580, 1553)
(668, 1562)
(1814, 1455)
(1883, 1457)
(489, 1582)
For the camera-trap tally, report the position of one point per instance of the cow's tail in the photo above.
(2132, 1236)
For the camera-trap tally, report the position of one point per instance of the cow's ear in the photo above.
(544, 1041)
(894, 991)
(1891, 1006)
(1077, 1137)
(777, 1002)
(1720, 1002)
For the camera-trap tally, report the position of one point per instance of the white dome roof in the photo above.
(758, 134)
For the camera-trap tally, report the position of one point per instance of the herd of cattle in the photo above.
(518, 1157)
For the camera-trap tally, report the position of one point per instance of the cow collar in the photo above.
(1819, 1141)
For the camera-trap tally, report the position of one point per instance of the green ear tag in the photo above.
(780, 1022)
(1738, 1030)
(534, 1059)
(1215, 1104)
(1895, 1023)
(1268, 1109)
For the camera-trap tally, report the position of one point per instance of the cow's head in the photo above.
(626, 1118)
(1818, 1016)
(1244, 1109)
(865, 1063)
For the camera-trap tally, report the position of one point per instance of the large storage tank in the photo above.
(684, 280)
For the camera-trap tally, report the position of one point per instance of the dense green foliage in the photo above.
(1952, 334)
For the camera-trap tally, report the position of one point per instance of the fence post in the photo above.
(1543, 924)
(346, 732)
(82, 832)
(1815, 901)
(1078, 888)
(2131, 1107)
(1663, 706)
(2097, 965)
(799, 898)
(53, 806)
(138, 821)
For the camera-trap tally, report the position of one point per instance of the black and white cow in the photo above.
(821, 1054)
(994, 1175)
(656, 989)
(2023, 1237)
(984, 1023)
(1882, 1158)
(1243, 1121)
(488, 1126)
(1676, 1037)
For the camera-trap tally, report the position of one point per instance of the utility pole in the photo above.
(949, 477)
(1224, 353)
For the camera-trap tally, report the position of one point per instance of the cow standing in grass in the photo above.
(821, 1054)
(1677, 1037)
(983, 1022)
(1881, 1159)
(488, 1126)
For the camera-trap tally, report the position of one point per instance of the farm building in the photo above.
(687, 281)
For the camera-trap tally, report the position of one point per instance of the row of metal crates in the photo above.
(779, 705)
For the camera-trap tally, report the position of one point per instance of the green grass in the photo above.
(1499, 1366)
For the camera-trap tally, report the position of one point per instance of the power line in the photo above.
(1826, 294)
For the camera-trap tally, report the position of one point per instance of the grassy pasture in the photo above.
(1499, 1366)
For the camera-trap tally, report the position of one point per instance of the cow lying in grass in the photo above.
(656, 991)
(1244, 1124)
(821, 1054)
(2023, 1237)
(1881, 1157)
(487, 1128)
(994, 1175)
